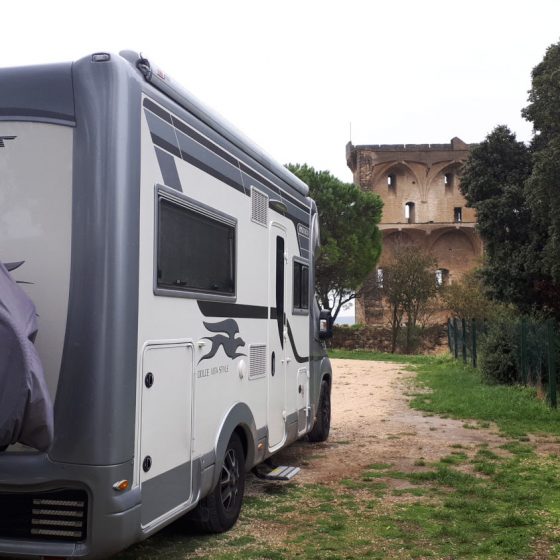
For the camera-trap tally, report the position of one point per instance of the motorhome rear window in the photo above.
(196, 251)
(301, 286)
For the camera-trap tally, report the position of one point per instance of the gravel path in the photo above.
(372, 423)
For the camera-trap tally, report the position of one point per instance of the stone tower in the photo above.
(419, 185)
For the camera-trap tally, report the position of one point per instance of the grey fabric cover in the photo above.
(26, 411)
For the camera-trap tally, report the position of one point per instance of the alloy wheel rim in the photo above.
(229, 480)
(326, 411)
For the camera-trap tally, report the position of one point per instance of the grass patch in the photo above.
(241, 541)
(379, 466)
(459, 391)
(454, 459)
(517, 448)
(465, 516)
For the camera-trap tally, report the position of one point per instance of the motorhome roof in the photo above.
(160, 80)
(46, 92)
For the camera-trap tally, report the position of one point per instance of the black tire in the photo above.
(218, 512)
(320, 431)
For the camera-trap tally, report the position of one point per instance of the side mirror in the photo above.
(325, 324)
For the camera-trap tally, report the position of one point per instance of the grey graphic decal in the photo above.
(168, 169)
(299, 359)
(237, 310)
(4, 138)
(228, 341)
(13, 265)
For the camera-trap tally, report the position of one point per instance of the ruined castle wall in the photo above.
(423, 206)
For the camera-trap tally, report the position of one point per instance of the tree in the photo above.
(516, 191)
(350, 237)
(544, 99)
(492, 180)
(466, 298)
(543, 186)
(408, 285)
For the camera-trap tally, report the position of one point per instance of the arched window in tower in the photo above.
(392, 183)
(409, 213)
(380, 278)
(442, 277)
(448, 180)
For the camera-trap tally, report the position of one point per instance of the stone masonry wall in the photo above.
(423, 206)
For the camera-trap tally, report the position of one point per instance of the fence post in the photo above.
(449, 334)
(524, 368)
(473, 340)
(455, 341)
(551, 364)
(464, 340)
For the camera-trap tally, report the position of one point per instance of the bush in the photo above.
(466, 299)
(499, 350)
(409, 340)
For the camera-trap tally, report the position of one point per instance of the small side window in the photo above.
(458, 215)
(301, 287)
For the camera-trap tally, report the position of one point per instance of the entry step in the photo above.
(279, 473)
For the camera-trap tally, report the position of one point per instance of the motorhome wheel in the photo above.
(223, 504)
(320, 431)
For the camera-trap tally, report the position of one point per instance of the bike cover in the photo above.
(26, 411)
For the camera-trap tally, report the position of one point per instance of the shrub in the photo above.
(466, 299)
(499, 350)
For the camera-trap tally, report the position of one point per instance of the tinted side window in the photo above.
(305, 287)
(196, 252)
(301, 286)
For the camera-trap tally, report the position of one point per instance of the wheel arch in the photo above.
(326, 371)
(238, 420)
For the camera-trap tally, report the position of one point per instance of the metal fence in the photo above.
(534, 345)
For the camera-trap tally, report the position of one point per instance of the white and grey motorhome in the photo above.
(171, 265)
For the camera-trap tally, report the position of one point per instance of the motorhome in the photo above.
(179, 344)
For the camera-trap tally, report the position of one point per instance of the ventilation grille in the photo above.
(259, 209)
(257, 360)
(60, 515)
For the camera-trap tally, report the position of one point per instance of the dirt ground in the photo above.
(372, 423)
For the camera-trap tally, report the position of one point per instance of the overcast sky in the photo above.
(293, 75)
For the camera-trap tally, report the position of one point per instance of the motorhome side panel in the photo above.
(222, 332)
(183, 166)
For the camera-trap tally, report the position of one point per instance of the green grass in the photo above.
(445, 513)
(460, 392)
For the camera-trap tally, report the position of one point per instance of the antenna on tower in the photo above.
(350, 132)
